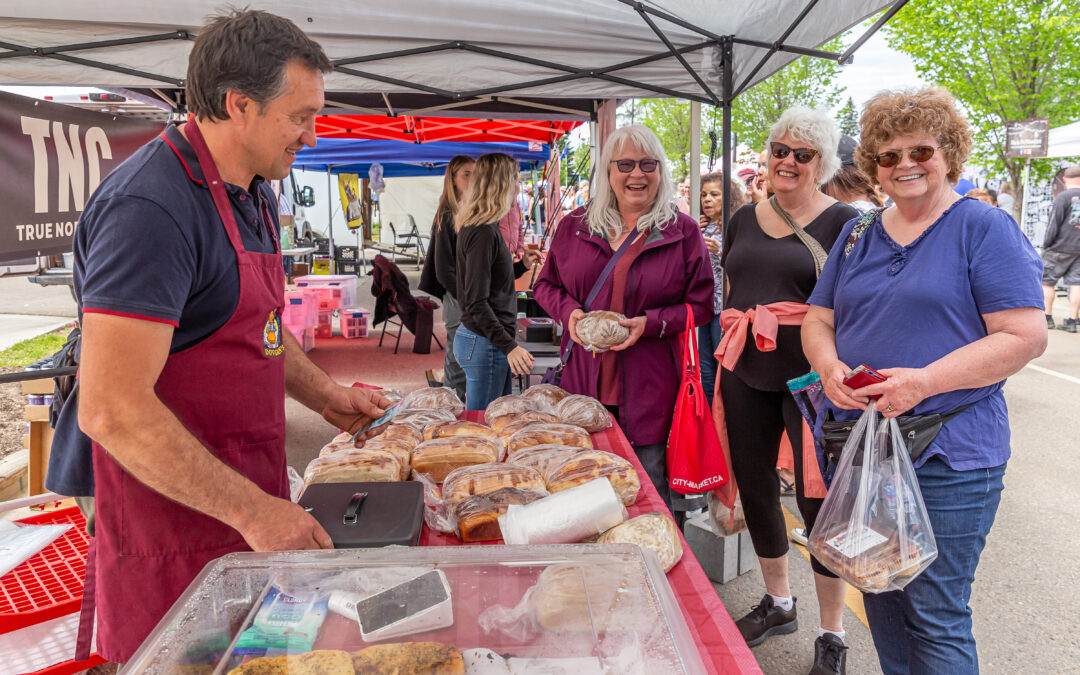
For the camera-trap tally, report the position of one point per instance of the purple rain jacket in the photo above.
(673, 269)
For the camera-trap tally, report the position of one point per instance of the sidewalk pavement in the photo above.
(15, 328)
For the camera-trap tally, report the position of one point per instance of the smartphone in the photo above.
(407, 608)
(864, 376)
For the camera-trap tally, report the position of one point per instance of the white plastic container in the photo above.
(354, 322)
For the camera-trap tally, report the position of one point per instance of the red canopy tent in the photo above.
(430, 129)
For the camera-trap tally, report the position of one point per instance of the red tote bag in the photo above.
(695, 459)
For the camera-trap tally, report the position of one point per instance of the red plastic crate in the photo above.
(50, 584)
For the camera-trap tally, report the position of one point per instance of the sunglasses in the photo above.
(920, 153)
(802, 155)
(647, 165)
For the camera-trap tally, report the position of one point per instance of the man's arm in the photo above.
(122, 359)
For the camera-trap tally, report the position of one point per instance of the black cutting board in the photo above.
(392, 513)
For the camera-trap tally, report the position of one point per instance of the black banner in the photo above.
(52, 158)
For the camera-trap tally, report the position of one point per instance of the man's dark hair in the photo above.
(1071, 172)
(245, 51)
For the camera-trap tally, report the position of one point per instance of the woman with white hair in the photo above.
(661, 265)
(773, 253)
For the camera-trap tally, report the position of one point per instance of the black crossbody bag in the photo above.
(918, 432)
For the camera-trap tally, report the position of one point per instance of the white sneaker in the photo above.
(798, 535)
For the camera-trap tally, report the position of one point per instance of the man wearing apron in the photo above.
(185, 366)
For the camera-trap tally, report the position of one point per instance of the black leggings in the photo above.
(756, 420)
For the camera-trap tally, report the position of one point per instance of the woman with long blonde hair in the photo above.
(485, 343)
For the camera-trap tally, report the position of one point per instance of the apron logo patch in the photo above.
(273, 345)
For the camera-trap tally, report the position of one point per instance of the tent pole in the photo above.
(1024, 196)
(695, 160)
(330, 212)
(728, 97)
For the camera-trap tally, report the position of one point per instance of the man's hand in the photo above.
(637, 328)
(279, 525)
(571, 324)
(350, 408)
(832, 380)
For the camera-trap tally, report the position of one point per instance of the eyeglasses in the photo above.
(920, 153)
(648, 165)
(802, 155)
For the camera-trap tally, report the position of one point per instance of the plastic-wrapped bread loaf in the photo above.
(543, 458)
(500, 423)
(478, 516)
(483, 478)
(654, 531)
(510, 429)
(600, 331)
(408, 657)
(440, 456)
(459, 428)
(546, 393)
(585, 412)
(405, 433)
(586, 466)
(421, 418)
(548, 434)
(400, 449)
(569, 597)
(513, 405)
(337, 446)
(353, 466)
(435, 398)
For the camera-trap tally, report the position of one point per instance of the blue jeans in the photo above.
(487, 372)
(708, 339)
(926, 628)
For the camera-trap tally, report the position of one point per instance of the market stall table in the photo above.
(721, 646)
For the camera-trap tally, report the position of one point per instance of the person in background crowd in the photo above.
(513, 231)
(759, 189)
(1005, 199)
(940, 294)
(850, 185)
(582, 194)
(485, 343)
(770, 270)
(665, 268)
(712, 203)
(569, 199)
(523, 206)
(993, 196)
(981, 194)
(682, 196)
(1061, 250)
(184, 367)
(439, 277)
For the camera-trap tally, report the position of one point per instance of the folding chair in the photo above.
(405, 243)
(396, 305)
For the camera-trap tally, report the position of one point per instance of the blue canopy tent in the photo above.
(398, 158)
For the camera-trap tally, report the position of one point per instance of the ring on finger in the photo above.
(889, 408)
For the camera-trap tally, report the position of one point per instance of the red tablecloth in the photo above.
(722, 648)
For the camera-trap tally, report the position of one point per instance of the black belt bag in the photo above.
(918, 432)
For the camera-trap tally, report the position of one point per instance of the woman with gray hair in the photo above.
(773, 253)
(660, 265)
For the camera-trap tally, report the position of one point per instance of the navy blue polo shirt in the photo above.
(150, 245)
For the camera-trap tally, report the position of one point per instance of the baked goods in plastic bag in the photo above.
(483, 478)
(873, 529)
(585, 412)
(434, 398)
(353, 466)
(477, 517)
(655, 531)
(421, 418)
(513, 404)
(547, 393)
(409, 657)
(440, 456)
(321, 661)
(586, 466)
(400, 449)
(599, 331)
(337, 446)
(459, 428)
(500, 423)
(406, 433)
(548, 434)
(723, 519)
(543, 458)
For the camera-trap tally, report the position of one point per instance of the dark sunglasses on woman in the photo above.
(647, 165)
(802, 155)
(920, 153)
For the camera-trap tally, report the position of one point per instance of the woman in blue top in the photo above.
(940, 294)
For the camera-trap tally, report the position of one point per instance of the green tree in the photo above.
(670, 119)
(1004, 60)
(847, 118)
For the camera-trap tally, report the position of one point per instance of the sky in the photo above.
(875, 67)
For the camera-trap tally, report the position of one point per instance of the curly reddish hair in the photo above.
(931, 110)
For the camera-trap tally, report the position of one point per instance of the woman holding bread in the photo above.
(485, 343)
(662, 265)
(941, 295)
(773, 252)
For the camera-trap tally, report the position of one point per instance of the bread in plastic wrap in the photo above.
(400, 449)
(874, 569)
(459, 428)
(500, 423)
(406, 433)
(548, 434)
(547, 393)
(434, 398)
(337, 446)
(478, 516)
(655, 531)
(585, 412)
(353, 466)
(483, 478)
(317, 662)
(513, 405)
(543, 458)
(585, 466)
(421, 418)
(599, 331)
(570, 597)
(403, 658)
(440, 456)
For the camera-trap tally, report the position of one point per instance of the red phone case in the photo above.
(864, 376)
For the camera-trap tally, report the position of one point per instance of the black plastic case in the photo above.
(391, 513)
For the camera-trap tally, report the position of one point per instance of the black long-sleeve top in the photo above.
(438, 276)
(485, 285)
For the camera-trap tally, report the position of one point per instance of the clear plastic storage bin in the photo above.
(354, 322)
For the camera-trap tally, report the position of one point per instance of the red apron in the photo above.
(229, 392)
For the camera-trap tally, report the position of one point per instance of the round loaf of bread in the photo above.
(654, 531)
(512, 405)
(600, 331)
(548, 434)
(543, 458)
(400, 449)
(585, 412)
(586, 466)
(500, 423)
(459, 428)
(421, 418)
(353, 466)
(483, 478)
(440, 456)
(546, 393)
(434, 398)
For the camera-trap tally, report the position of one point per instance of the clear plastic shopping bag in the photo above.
(873, 530)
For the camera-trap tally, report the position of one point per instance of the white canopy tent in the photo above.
(512, 58)
(1064, 141)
